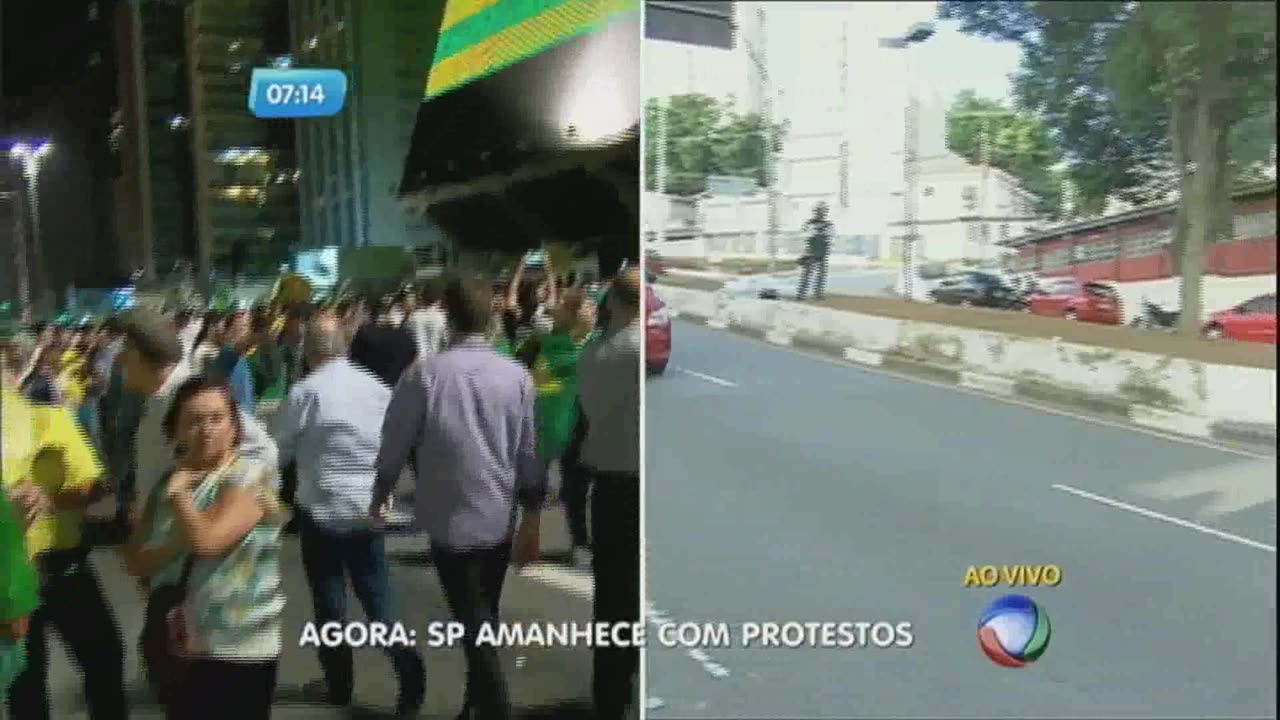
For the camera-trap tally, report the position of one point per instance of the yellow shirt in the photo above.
(46, 445)
(70, 378)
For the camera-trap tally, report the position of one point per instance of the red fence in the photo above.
(1138, 248)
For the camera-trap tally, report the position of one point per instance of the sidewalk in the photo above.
(553, 682)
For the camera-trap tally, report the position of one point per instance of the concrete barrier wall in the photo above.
(1158, 391)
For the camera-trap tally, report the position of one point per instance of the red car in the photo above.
(1077, 300)
(1252, 321)
(657, 336)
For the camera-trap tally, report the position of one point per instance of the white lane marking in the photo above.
(574, 582)
(658, 618)
(1227, 489)
(709, 378)
(1166, 518)
(1172, 437)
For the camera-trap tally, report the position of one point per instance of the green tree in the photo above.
(1144, 98)
(704, 137)
(1020, 145)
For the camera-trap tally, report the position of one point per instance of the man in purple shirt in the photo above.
(467, 415)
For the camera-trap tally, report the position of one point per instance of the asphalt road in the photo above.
(545, 682)
(783, 487)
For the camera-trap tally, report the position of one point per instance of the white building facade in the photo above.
(963, 211)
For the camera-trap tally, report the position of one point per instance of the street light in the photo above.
(915, 35)
(30, 155)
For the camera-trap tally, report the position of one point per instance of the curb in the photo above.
(1030, 391)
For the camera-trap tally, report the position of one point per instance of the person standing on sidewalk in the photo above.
(609, 392)
(469, 413)
(330, 424)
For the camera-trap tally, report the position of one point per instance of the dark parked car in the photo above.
(977, 289)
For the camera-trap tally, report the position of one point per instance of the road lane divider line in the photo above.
(657, 618)
(708, 378)
(1120, 505)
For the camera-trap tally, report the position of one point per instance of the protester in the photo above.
(151, 360)
(609, 388)
(428, 322)
(384, 346)
(41, 384)
(330, 424)
(231, 363)
(19, 596)
(221, 509)
(553, 358)
(188, 326)
(266, 360)
(208, 342)
(52, 474)
(19, 585)
(478, 469)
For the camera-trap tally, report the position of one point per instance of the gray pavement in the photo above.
(840, 281)
(782, 487)
(545, 682)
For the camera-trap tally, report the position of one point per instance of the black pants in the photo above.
(329, 559)
(472, 582)
(72, 603)
(575, 485)
(615, 534)
(574, 491)
(288, 489)
(225, 689)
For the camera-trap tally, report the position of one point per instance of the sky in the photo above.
(803, 42)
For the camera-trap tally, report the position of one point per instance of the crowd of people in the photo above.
(217, 434)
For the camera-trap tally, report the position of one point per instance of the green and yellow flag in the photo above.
(481, 37)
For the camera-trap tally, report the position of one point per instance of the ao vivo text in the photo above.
(1013, 575)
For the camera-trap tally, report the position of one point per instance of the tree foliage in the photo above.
(1020, 144)
(704, 137)
(1147, 98)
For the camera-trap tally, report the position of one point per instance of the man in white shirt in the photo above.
(609, 393)
(331, 426)
(428, 323)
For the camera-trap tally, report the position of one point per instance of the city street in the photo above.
(784, 487)
(544, 682)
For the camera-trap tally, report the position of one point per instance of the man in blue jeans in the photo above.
(330, 426)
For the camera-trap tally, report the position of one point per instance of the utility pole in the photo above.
(910, 174)
(915, 35)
